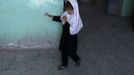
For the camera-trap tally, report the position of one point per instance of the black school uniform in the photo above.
(68, 43)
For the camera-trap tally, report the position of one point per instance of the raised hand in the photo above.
(47, 14)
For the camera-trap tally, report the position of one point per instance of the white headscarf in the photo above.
(74, 20)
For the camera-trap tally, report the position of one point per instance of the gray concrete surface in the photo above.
(106, 47)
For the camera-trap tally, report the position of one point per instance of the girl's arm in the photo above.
(54, 18)
(57, 18)
(47, 14)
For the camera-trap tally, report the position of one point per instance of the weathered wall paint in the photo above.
(22, 23)
(121, 7)
(127, 8)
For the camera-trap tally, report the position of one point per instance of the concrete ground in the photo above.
(106, 47)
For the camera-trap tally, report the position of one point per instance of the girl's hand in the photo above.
(46, 14)
(64, 18)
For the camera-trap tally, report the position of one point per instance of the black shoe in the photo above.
(60, 67)
(77, 64)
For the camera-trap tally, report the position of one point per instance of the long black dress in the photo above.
(68, 43)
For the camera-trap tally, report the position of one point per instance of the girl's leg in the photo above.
(64, 57)
(75, 57)
(73, 49)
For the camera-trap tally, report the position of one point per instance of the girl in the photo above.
(72, 24)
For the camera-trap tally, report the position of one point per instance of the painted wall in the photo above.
(127, 8)
(121, 7)
(22, 23)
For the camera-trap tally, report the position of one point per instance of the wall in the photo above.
(22, 23)
(127, 8)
